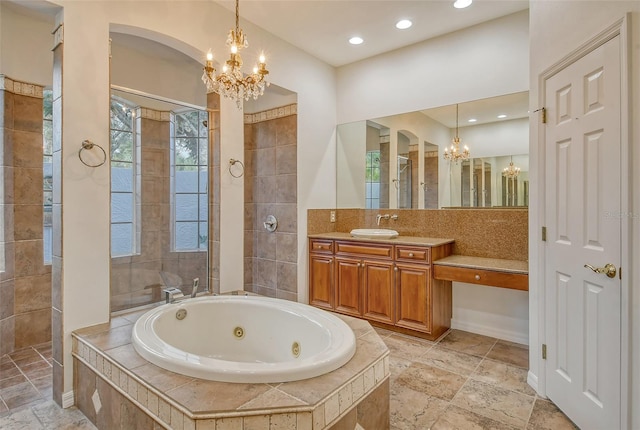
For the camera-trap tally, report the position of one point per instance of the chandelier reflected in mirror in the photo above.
(453, 153)
(231, 82)
(511, 171)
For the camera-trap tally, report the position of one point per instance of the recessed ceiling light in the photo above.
(356, 40)
(472, 120)
(461, 4)
(502, 116)
(403, 24)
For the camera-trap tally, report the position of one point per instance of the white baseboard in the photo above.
(532, 380)
(499, 332)
(68, 399)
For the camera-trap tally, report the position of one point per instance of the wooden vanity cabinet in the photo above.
(413, 292)
(321, 274)
(378, 296)
(348, 286)
(364, 280)
(389, 285)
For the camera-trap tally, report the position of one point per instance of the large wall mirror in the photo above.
(397, 161)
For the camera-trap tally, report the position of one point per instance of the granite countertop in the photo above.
(511, 266)
(400, 240)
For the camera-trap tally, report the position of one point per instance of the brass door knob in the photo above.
(608, 269)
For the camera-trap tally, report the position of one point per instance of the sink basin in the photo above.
(374, 233)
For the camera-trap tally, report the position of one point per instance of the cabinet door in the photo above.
(321, 281)
(413, 297)
(378, 304)
(348, 286)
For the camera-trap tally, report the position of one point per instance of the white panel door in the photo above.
(583, 219)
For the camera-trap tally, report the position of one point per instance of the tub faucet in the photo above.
(172, 294)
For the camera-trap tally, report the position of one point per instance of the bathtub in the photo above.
(244, 339)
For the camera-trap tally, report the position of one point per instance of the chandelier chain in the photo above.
(237, 17)
(457, 122)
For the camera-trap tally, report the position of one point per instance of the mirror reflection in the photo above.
(397, 161)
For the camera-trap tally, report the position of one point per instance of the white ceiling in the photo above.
(322, 28)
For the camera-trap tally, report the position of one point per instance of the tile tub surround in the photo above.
(490, 233)
(106, 363)
(474, 357)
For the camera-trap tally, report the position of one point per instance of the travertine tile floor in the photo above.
(464, 381)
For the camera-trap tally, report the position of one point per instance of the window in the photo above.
(372, 180)
(189, 146)
(47, 174)
(123, 171)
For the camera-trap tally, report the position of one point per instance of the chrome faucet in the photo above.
(380, 216)
(172, 294)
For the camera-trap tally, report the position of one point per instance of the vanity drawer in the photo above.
(373, 250)
(324, 246)
(407, 253)
(514, 281)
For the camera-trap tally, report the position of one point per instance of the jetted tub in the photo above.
(243, 339)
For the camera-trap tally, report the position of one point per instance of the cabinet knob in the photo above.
(395, 269)
(359, 264)
(477, 277)
(411, 254)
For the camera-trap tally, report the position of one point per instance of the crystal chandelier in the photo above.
(511, 171)
(453, 153)
(231, 83)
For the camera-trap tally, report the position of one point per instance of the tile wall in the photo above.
(136, 280)
(271, 189)
(25, 281)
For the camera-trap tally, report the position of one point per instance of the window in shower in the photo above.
(47, 174)
(123, 178)
(372, 180)
(189, 151)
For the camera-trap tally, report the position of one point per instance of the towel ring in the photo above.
(87, 144)
(232, 162)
